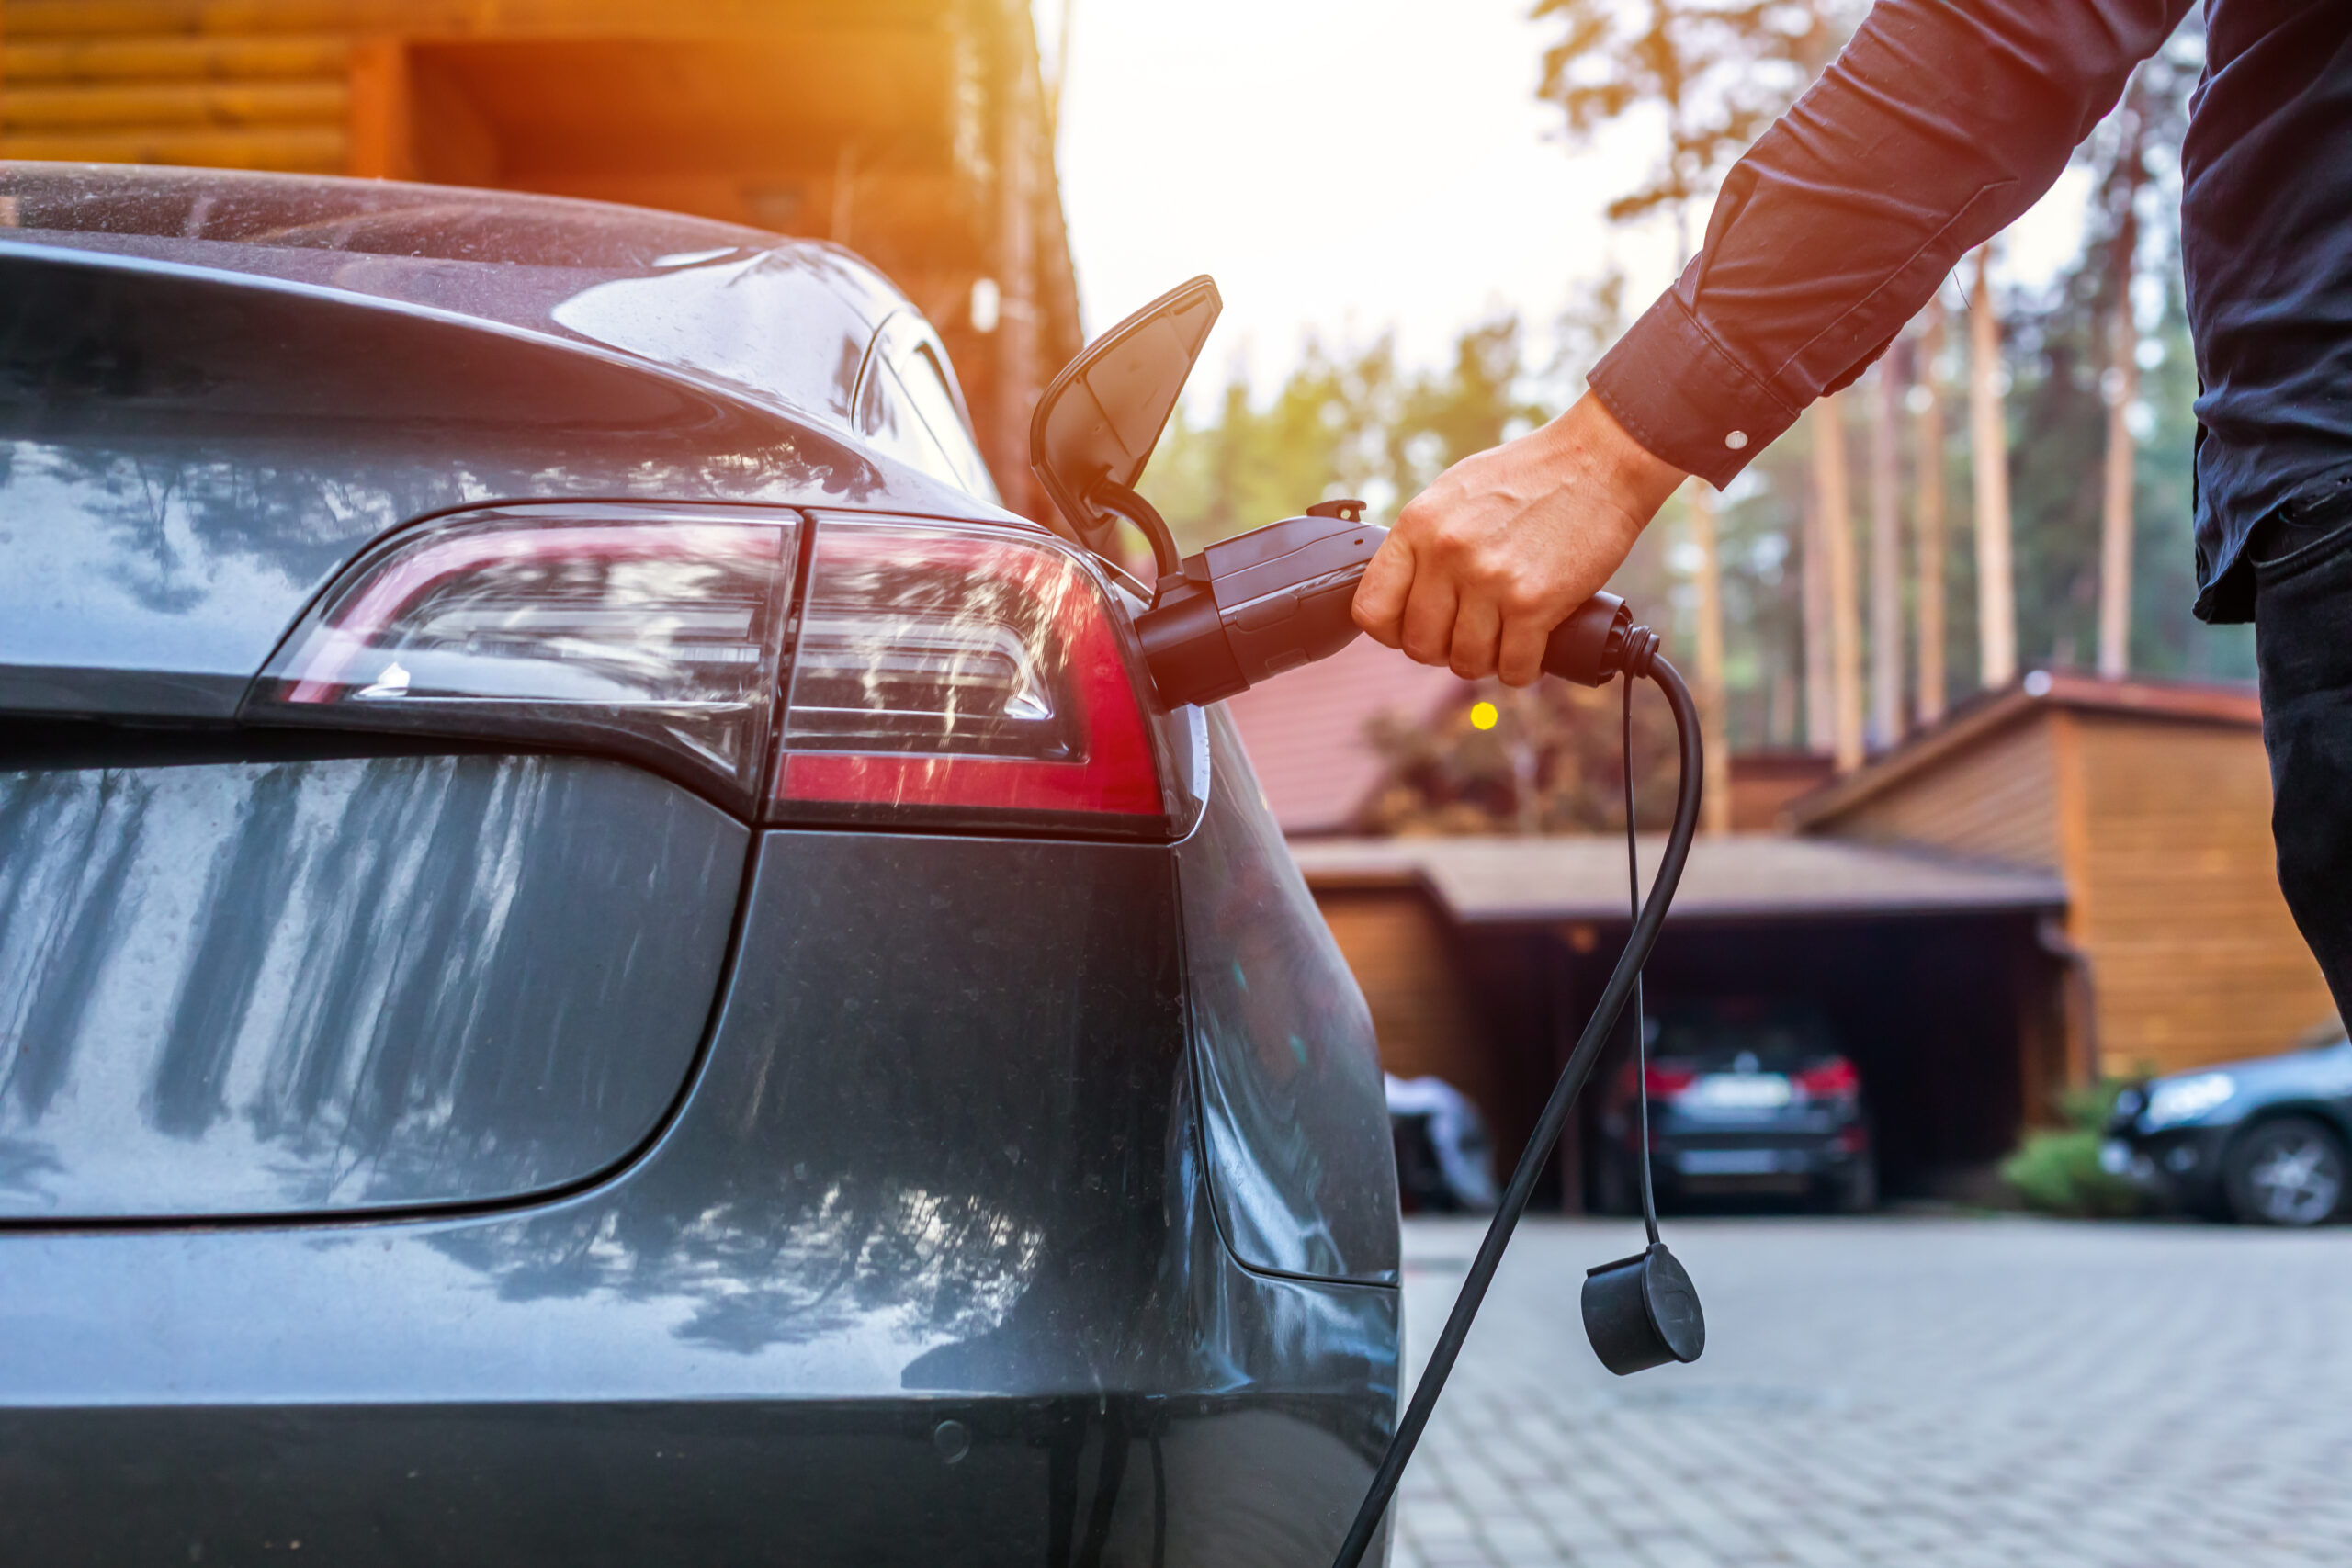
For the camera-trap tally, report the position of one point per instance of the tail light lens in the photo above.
(945, 677)
(655, 633)
(1831, 1080)
(1665, 1083)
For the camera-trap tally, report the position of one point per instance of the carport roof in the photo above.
(1752, 876)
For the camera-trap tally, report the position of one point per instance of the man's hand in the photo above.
(1483, 564)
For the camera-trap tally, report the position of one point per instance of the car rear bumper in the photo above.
(924, 1175)
(1078, 1479)
(1782, 1166)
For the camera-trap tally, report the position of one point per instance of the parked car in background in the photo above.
(2262, 1142)
(1445, 1162)
(1746, 1098)
(602, 959)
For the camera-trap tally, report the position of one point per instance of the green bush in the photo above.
(2057, 1171)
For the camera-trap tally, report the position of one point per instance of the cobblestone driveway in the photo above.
(1925, 1392)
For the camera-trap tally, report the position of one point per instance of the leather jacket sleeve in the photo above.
(1941, 122)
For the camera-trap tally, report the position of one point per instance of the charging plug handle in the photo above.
(1248, 609)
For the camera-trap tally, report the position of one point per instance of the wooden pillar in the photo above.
(1570, 1002)
(1996, 623)
(842, 220)
(1887, 561)
(1927, 441)
(1820, 688)
(1845, 607)
(1714, 698)
(381, 134)
(2121, 388)
(2068, 939)
(1018, 136)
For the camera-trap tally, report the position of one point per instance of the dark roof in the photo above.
(2235, 704)
(1308, 736)
(1514, 881)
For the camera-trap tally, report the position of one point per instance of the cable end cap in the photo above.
(1643, 1311)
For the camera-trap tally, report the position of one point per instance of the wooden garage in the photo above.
(2067, 879)
(2151, 802)
(915, 131)
(1481, 958)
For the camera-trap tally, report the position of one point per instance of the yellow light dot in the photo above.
(1484, 717)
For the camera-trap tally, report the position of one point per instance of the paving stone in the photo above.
(1960, 1392)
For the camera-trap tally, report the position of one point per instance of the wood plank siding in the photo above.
(913, 131)
(2194, 954)
(1397, 945)
(2152, 802)
(1996, 800)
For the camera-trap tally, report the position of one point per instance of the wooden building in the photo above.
(2151, 801)
(2068, 878)
(914, 131)
(1482, 957)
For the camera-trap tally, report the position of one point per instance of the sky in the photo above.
(1343, 167)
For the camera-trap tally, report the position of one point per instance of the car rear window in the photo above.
(1777, 1040)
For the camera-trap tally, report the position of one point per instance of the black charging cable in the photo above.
(1634, 656)
(1112, 496)
(1641, 1024)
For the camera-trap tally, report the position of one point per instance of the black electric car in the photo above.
(1746, 1098)
(602, 959)
(2262, 1142)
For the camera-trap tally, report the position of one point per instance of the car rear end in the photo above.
(1753, 1100)
(661, 1016)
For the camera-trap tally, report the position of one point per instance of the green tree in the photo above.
(1341, 425)
(1718, 72)
(1475, 402)
(2059, 357)
(1552, 760)
(1325, 434)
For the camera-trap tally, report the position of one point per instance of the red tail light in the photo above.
(1831, 1080)
(958, 677)
(941, 676)
(652, 632)
(1665, 1083)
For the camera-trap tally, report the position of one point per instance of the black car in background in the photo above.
(1746, 1098)
(602, 959)
(2262, 1142)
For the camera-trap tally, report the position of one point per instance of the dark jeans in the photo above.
(2302, 625)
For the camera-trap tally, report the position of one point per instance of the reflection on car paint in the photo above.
(1303, 1166)
(758, 322)
(263, 987)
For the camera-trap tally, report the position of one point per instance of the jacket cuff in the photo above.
(1685, 400)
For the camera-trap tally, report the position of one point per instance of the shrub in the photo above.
(2056, 1170)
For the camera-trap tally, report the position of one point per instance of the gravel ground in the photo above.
(1914, 1391)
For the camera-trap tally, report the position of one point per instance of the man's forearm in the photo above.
(1940, 123)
